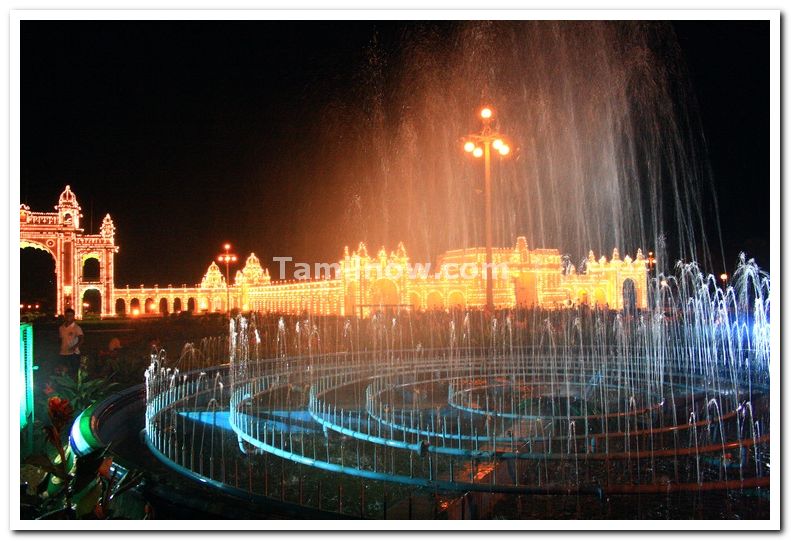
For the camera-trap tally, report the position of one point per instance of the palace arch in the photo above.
(456, 300)
(600, 297)
(435, 301)
(92, 302)
(91, 268)
(384, 292)
(37, 273)
(60, 234)
(583, 297)
(629, 296)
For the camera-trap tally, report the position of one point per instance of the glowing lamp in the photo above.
(724, 276)
(227, 246)
(469, 146)
(486, 113)
(477, 152)
(86, 305)
(497, 144)
(504, 149)
(135, 312)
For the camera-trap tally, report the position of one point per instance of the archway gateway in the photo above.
(36, 279)
(92, 302)
(60, 234)
(629, 296)
(384, 292)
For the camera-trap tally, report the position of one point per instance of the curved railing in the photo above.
(350, 414)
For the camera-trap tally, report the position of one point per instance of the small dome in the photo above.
(252, 259)
(67, 198)
(252, 273)
(213, 277)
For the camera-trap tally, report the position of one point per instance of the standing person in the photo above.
(71, 337)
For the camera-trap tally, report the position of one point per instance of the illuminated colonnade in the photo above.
(529, 278)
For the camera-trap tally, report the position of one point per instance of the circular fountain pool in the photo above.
(525, 414)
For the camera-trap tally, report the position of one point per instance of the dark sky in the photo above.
(181, 132)
(728, 63)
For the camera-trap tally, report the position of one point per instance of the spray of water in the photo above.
(608, 150)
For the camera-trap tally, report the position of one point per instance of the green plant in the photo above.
(81, 392)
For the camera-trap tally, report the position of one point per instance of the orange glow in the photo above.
(497, 143)
(227, 246)
(477, 152)
(135, 312)
(483, 470)
(504, 149)
(469, 146)
(487, 113)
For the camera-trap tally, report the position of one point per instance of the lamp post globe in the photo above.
(227, 257)
(480, 145)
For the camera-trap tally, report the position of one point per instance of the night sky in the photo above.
(195, 133)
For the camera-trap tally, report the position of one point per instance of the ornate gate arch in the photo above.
(59, 233)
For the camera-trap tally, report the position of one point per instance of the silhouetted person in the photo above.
(71, 338)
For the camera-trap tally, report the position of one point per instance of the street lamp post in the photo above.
(481, 145)
(227, 258)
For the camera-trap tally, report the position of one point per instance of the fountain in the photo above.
(577, 412)
(475, 413)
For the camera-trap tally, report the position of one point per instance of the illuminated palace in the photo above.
(364, 283)
(361, 282)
